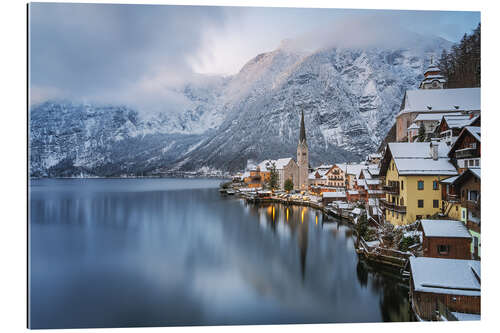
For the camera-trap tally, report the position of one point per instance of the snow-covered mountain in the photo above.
(349, 97)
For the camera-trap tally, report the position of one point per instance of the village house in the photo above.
(445, 239)
(336, 177)
(368, 183)
(287, 168)
(445, 288)
(318, 177)
(411, 174)
(431, 98)
(329, 197)
(451, 125)
(430, 121)
(462, 201)
(466, 150)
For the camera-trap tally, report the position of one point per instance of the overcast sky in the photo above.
(112, 52)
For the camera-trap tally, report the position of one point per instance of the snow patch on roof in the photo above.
(445, 228)
(459, 99)
(446, 276)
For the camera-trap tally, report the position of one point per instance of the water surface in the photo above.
(159, 252)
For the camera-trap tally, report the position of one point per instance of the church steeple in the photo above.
(302, 157)
(302, 137)
(433, 79)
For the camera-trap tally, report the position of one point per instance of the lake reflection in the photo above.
(158, 252)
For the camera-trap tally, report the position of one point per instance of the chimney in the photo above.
(434, 149)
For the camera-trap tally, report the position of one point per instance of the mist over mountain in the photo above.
(349, 94)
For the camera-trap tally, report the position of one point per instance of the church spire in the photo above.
(302, 137)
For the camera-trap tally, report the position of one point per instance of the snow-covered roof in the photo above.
(351, 169)
(372, 181)
(416, 149)
(374, 170)
(435, 116)
(449, 180)
(361, 182)
(446, 276)
(375, 155)
(432, 69)
(280, 164)
(357, 211)
(353, 192)
(475, 131)
(333, 194)
(459, 121)
(414, 158)
(459, 99)
(476, 172)
(413, 126)
(425, 166)
(324, 166)
(445, 228)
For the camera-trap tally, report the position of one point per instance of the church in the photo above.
(431, 101)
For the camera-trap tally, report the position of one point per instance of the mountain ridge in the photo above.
(349, 98)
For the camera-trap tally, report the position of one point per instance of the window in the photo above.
(463, 214)
(420, 185)
(435, 203)
(402, 185)
(443, 249)
(419, 217)
(466, 163)
(420, 203)
(473, 195)
(435, 185)
(476, 241)
(477, 162)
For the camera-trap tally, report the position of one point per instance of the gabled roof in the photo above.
(415, 159)
(471, 172)
(280, 164)
(475, 131)
(445, 228)
(352, 169)
(435, 100)
(454, 121)
(446, 276)
(434, 116)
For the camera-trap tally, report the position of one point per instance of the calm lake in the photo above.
(160, 252)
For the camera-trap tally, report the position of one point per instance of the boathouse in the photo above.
(443, 289)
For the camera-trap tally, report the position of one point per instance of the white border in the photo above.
(13, 164)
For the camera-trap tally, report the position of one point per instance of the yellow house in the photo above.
(411, 174)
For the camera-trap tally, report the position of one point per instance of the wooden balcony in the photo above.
(392, 206)
(466, 153)
(391, 189)
(452, 198)
(472, 206)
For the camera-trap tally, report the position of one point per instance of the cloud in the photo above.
(141, 55)
(92, 51)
